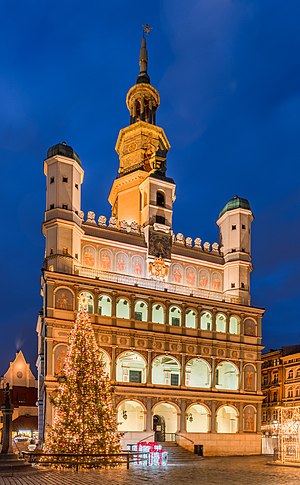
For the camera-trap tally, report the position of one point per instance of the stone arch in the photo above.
(166, 370)
(131, 415)
(175, 316)
(64, 298)
(131, 367)
(227, 376)
(90, 300)
(227, 419)
(141, 311)
(198, 418)
(206, 320)
(249, 372)
(249, 419)
(123, 308)
(59, 357)
(158, 313)
(198, 373)
(190, 318)
(168, 423)
(89, 256)
(105, 305)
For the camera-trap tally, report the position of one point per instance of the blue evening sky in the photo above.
(228, 72)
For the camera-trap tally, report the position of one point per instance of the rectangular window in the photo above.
(51, 180)
(232, 285)
(174, 379)
(138, 316)
(76, 186)
(175, 322)
(135, 376)
(160, 219)
(233, 227)
(51, 250)
(65, 206)
(243, 285)
(65, 179)
(243, 226)
(51, 206)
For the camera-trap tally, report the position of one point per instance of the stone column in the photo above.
(149, 369)
(149, 415)
(213, 373)
(241, 379)
(258, 419)
(182, 372)
(113, 364)
(7, 411)
(182, 416)
(213, 423)
(183, 310)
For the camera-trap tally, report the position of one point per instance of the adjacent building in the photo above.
(173, 318)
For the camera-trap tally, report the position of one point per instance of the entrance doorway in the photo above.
(159, 428)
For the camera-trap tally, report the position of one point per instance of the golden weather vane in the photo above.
(147, 29)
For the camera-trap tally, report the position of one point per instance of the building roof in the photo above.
(64, 150)
(235, 203)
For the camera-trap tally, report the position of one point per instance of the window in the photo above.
(52, 180)
(65, 250)
(174, 379)
(290, 374)
(135, 376)
(275, 415)
(51, 250)
(51, 206)
(160, 199)
(160, 219)
(104, 306)
(65, 206)
(89, 301)
(265, 380)
(242, 285)
(206, 321)
(123, 309)
(175, 316)
(289, 392)
(297, 391)
(232, 285)
(221, 323)
(275, 397)
(76, 186)
(233, 227)
(141, 311)
(158, 314)
(190, 319)
(234, 325)
(275, 378)
(65, 179)
(243, 226)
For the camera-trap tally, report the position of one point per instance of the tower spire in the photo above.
(143, 76)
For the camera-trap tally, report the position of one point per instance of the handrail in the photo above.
(182, 436)
(147, 437)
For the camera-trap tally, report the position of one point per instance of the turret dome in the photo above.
(235, 203)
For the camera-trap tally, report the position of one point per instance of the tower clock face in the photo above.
(160, 245)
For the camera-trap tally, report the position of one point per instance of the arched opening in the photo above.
(131, 367)
(106, 362)
(89, 299)
(175, 316)
(137, 110)
(227, 376)
(123, 309)
(197, 419)
(160, 199)
(64, 299)
(206, 321)
(221, 322)
(234, 325)
(249, 419)
(166, 371)
(227, 420)
(249, 372)
(59, 357)
(190, 318)
(250, 327)
(198, 373)
(141, 311)
(131, 416)
(104, 306)
(158, 313)
(164, 421)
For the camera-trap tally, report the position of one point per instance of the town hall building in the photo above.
(172, 316)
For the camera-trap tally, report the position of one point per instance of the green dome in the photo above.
(64, 150)
(235, 203)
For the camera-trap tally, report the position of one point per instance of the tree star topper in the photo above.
(147, 29)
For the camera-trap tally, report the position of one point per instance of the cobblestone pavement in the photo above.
(210, 471)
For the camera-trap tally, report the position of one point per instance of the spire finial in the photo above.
(143, 76)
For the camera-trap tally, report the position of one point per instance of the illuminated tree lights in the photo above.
(85, 418)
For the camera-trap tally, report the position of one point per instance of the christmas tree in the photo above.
(85, 419)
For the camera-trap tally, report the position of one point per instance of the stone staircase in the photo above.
(177, 454)
(11, 463)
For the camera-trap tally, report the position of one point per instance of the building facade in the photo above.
(23, 394)
(281, 387)
(172, 316)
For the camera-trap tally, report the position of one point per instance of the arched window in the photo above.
(234, 325)
(166, 371)
(141, 311)
(197, 373)
(160, 199)
(227, 376)
(158, 313)
(104, 306)
(123, 309)
(190, 318)
(175, 316)
(221, 322)
(206, 321)
(131, 416)
(290, 374)
(197, 419)
(90, 301)
(227, 420)
(290, 392)
(131, 367)
(298, 372)
(297, 391)
(106, 362)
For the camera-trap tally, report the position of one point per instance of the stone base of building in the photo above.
(219, 444)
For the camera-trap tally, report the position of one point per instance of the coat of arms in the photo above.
(158, 268)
